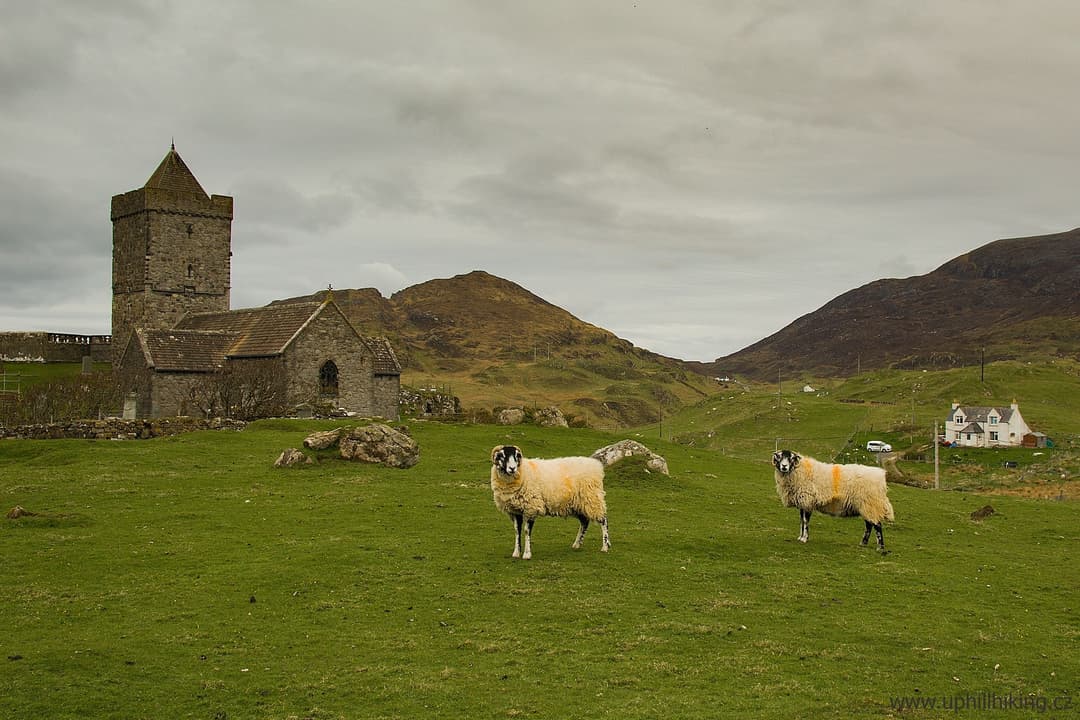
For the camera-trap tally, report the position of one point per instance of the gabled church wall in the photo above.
(330, 337)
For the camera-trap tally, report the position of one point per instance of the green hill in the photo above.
(749, 420)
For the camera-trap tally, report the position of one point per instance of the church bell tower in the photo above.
(172, 249)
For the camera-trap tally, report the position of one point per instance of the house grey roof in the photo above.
(260, 332)
(184, 350)
(975, 428)
(978, 413)
(173, 174)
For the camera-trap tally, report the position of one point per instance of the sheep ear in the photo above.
(495, 452)
(795, 459)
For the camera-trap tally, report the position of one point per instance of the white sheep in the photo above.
(525, 489)
(840, 490)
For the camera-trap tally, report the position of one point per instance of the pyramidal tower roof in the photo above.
(173, 174)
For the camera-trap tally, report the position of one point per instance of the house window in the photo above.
(190, 270)
(958, 419)
(993, 419)
(328, 379)
(993, 437)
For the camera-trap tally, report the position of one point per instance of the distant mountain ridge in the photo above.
(1010, 298)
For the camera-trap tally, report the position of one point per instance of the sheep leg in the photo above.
(880, 539)
(866, 535)
(804, 525)
(517, 535)
(606, 543)
(528, 538)
(581, 532)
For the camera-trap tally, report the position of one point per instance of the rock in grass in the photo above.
(380, 444)
(19, 511)
(611, 454)
(510, 416)
(323, 439)
(291, 457)
(550, 417)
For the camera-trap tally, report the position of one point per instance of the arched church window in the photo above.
(328, 379)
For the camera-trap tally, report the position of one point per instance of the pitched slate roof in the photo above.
(260, 332)
(977, 413)
(173, 174)
(184, 350)
(386, 362)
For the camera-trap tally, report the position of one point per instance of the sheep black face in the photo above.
(506, 459)
(785, 461)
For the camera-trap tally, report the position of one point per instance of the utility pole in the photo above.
(937, 471)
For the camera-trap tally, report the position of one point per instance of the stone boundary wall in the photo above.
(116, 429)
(428, 402)
(35, 346)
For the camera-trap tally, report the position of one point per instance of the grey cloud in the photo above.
(534, 193)
(280, 206)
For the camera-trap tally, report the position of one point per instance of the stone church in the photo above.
(174, 337)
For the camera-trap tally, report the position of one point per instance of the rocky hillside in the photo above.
(1012, 298)
(498, 344)
(451, 323)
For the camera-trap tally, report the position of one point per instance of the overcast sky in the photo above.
(692, 176)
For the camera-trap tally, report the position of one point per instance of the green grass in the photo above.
(185, 577)
(25, 375)
(747, 421)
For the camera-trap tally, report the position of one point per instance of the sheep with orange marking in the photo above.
(525, 489)
(839, 490)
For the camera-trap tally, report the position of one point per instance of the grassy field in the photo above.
(185, 577)
(747, 421)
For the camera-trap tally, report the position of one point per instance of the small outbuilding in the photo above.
(1036, 440)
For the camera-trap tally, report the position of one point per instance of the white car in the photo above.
(878, 446)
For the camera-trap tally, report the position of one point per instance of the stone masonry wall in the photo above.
(330, 337)
(116, 429)
(387, 396)
(171, 255)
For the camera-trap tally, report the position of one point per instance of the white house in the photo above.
(973, 426)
